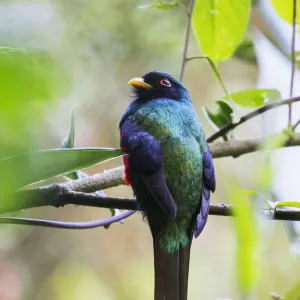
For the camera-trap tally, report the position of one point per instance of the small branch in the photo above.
(59, 195)
(251, 115)
(293, 61)
(236, 148)
(295, 126)
(187, 38)
(289, 214)
(67, 225)
(284, 214)
(216, 71)
(108, 179)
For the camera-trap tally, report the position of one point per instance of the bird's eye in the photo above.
(165, 82)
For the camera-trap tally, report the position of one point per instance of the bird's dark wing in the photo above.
(209, 184)
(146, 160)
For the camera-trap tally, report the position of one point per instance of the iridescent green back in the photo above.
(176, 127)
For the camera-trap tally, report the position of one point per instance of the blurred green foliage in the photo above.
(75, 281)
(285, 10)
(247, 240)
(264, 171)
(29, 82)
(162, 4)
(30, 76)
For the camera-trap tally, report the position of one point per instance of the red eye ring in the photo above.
(165, 82)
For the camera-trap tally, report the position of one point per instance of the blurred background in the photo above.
(83, 54)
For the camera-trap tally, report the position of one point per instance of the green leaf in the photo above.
(275, 141)
(288, 203)
(254, 97)
(262, 197)
(40, 165)
(68, 142)
(297, 59)
(247, 240)
(162, 4)
(246, 51)
(284, 8)
(223, 115)
(220, 26)
(248, 192)
(297, 56)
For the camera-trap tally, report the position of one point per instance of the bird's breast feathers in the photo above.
(167, 120)
(176, 127)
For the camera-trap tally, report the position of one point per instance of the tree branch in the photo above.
(84, 199)
(251, 115)
(237, 148)
(187, 38)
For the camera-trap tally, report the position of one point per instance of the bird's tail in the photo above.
(171, 273)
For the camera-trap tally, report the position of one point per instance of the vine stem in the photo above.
(215, 70)
(187, 38)
(293, 61)
(68, 225)
(223, 131)
(298, 122)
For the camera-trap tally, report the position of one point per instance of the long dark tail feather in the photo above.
(159, 293)
(184, 264)
(166, 268)
(171, 279)
(171, 273)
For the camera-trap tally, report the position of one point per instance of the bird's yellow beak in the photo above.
(139, 83)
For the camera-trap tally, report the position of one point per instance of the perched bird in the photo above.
(170, 169)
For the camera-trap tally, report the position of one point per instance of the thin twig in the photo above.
(67, 225)
(293, 61)
(295, 126)
(187, 38)
(251, 115)
(215, 69)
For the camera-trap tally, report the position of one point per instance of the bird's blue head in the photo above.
(158, 85)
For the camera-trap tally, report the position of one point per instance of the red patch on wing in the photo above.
(126, 163)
